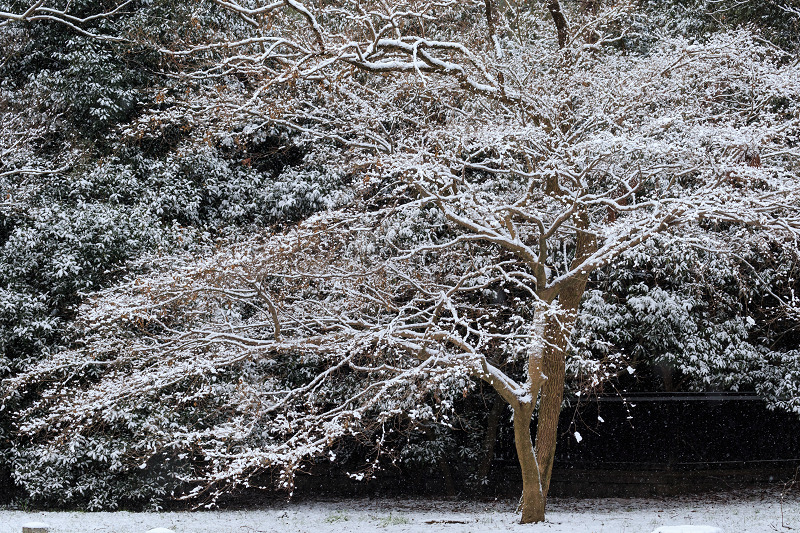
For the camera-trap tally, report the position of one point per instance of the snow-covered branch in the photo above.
(41, 11)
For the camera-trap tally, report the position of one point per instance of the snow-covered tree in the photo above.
(486, 165)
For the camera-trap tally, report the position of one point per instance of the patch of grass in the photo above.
(338, 516)
(393, 520)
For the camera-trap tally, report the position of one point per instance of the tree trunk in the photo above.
(557, 332)
(444, 467)
(546, 369)
(533, 495)
(490, 440)
(536, 462)
(447, 474)
(562, 26)
(554, 364)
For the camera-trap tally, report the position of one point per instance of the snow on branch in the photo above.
(40, 11)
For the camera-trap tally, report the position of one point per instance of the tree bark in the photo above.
(490, 440)
(533, 496)
(562, 26)
(444, 467)
(447, 474)
(556, 336)
(554, 365)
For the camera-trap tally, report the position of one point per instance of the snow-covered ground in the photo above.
(738, 512)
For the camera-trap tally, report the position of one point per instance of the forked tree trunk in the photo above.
(536, 461)
(533, 494)
(557, 332)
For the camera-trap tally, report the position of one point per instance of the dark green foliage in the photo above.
(691, 319)
(700, 18)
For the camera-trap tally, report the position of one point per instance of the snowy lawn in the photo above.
(739, 512)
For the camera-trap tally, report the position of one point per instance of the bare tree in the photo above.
(494, 174)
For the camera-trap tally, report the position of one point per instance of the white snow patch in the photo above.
(578, 436)
(732, 512)
(688, 529)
